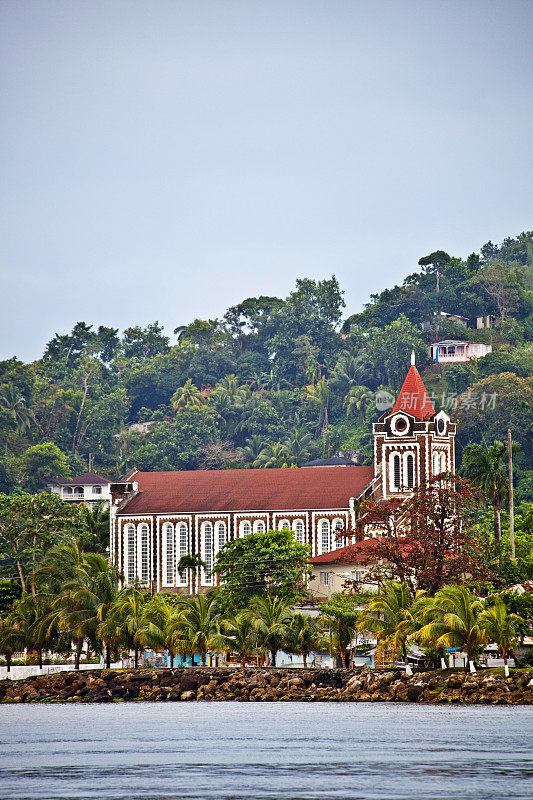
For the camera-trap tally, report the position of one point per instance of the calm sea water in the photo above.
(263, 751)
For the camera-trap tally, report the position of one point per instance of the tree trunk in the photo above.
(171, 658)
(40, 654)
(305, 660)
(79, 645)
(511, 494)
(273, 657)
(8, 662)
(203, 658)
(107, 657)
(21, 576)
(136, 657)
(497, 522)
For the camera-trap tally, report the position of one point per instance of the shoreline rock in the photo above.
(221, 684)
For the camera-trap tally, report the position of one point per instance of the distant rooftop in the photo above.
(335, 461)
(85, 479)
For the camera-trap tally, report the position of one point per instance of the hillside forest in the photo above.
(278, 381)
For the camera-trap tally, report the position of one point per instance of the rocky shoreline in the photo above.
(267, 685)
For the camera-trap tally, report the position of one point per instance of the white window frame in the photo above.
(207, 528)
(298, 527)
(169, 554)
(130, 562)
(221, 530)
(242, 532)
(143, 563)
(182, 576)
(284, 523)
(337, 524)
(259, 526)
(324, 529)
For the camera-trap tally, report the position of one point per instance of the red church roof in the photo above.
(205, 491)
(414, 397)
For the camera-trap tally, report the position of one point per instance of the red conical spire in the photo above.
(414, 397)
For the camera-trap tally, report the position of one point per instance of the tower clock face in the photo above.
(399, 425)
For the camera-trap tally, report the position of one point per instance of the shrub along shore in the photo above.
(267, 685)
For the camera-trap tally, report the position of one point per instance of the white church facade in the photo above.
(165, 515)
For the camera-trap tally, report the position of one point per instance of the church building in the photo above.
(166, 515)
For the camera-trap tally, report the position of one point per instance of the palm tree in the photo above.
(319, 394)
(14, 404)
(389, 616)
(26, 616)
(358, 399)
(297, 445)
(339, 618)
(84, 602)
(11, 639)
(125, 618)
(187, 395)
(500, 626)
(271, 617)
(157, 628)
(252, 449)
(451, 619)
(198, 625)
(97, 523)
(347, 373)
(272, 455)
(304, 635)
(237, 636)
(486, 468)
(191, 562)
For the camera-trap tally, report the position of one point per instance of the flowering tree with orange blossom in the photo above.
(428, 539)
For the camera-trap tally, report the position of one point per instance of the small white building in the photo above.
(88, 488)
(350, 565)
(453, 351)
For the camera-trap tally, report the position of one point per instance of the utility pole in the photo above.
(511, 493)
(90, 462)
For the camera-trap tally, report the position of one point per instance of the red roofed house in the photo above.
(170, 514)
(354, 562)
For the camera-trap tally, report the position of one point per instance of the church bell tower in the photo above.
(412, 443)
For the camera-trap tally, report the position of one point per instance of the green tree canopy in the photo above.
(271, 563)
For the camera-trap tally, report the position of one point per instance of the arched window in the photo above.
(245, 528)
(299, 531)
(130, 553)
(325, 539)
(144, 534)
(443, 462)
(183, 549)
(169, 554)
(78, 491)
(207, 552)
(67, 490)
(284, 523)
(338, 528)
(436, 464)
(397, 472)
(221, 535)
(410, 464)
(259, 526)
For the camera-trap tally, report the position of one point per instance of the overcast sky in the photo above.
(165, 160)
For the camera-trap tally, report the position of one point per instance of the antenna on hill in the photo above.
(413, 358)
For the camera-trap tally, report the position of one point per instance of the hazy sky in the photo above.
(164, 160)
